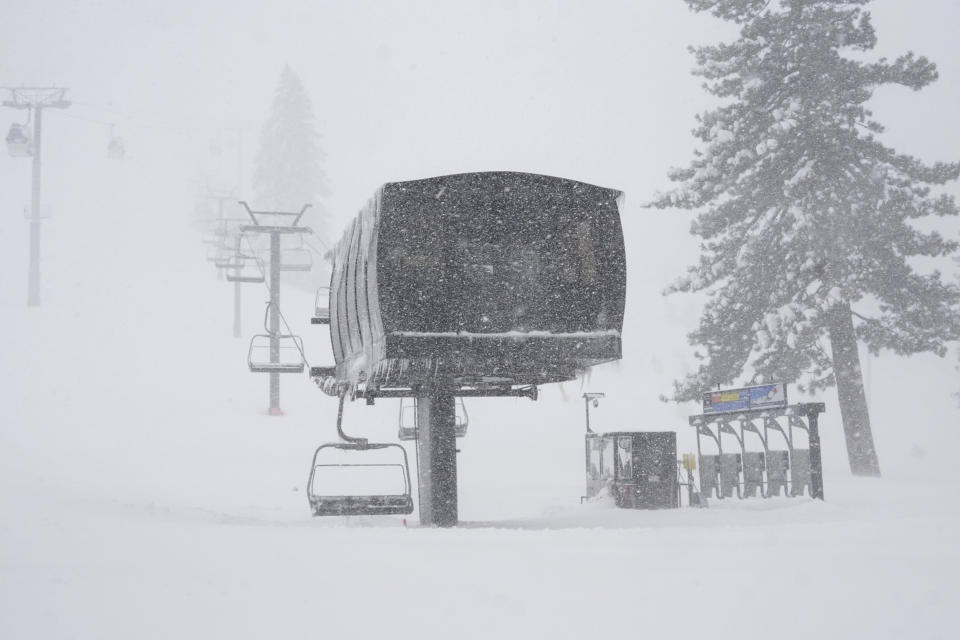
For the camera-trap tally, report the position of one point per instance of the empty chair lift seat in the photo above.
(275, 354)
(730, 466)
(709, 471)
(481, 279)
(778, 462)
(753, 465)
(800, 472)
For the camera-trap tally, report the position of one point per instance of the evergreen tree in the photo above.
(288, 172)
(804, 215)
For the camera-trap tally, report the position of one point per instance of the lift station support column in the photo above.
(437, 451)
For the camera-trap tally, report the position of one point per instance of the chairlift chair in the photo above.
(295, 260)
(116, 149)
(321, 303)
(407, 429)
(214, 251)
(225, 258)
(289, 357)
(327, 499)
(247, 270)
(19, 144)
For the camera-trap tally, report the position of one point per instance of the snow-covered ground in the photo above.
(145, 493)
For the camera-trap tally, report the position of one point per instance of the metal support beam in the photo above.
(33, 280)
(460, 392)
(237, 306)
(275, 322)
(437, 453)
(35, 100)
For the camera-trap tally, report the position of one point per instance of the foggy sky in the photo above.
(594, 91)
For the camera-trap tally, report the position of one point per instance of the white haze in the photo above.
(125, 387)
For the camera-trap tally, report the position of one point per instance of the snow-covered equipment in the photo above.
(407, 421)
(744, 472)
(19, 143)
(471, 285)
(357, 477)
(483, 279)
(637, 468)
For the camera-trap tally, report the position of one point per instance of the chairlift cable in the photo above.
(315, 250)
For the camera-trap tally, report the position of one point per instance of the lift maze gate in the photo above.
(787, 461)
(464, 286)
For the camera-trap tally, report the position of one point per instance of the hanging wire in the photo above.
(322, 254)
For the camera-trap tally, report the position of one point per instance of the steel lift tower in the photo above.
(273, 339)
(35, 100)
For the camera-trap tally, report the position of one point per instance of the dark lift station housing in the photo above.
(472, 285)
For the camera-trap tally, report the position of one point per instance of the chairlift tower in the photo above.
(221, 199)
(275, 367)
(35, 100)
(476, 285)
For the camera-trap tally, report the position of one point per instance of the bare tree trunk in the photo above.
(853, 400)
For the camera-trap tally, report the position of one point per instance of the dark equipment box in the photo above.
(638, 468)
(482, 279)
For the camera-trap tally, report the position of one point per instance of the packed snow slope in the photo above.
(145, 493)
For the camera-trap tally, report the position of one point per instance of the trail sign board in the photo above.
(763, 396)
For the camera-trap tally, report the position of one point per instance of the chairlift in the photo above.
(116, 149)
(287, 359)
(321, 303)
(295, 259)
(214, 251)
(229, 258)
(19, 143)
(345, 486)
(407, 429)
(248, 270)
(225, 258)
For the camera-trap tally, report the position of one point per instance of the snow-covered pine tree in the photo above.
(804, 215)
(288, 172)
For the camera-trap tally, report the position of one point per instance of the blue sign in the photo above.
(763, 396)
